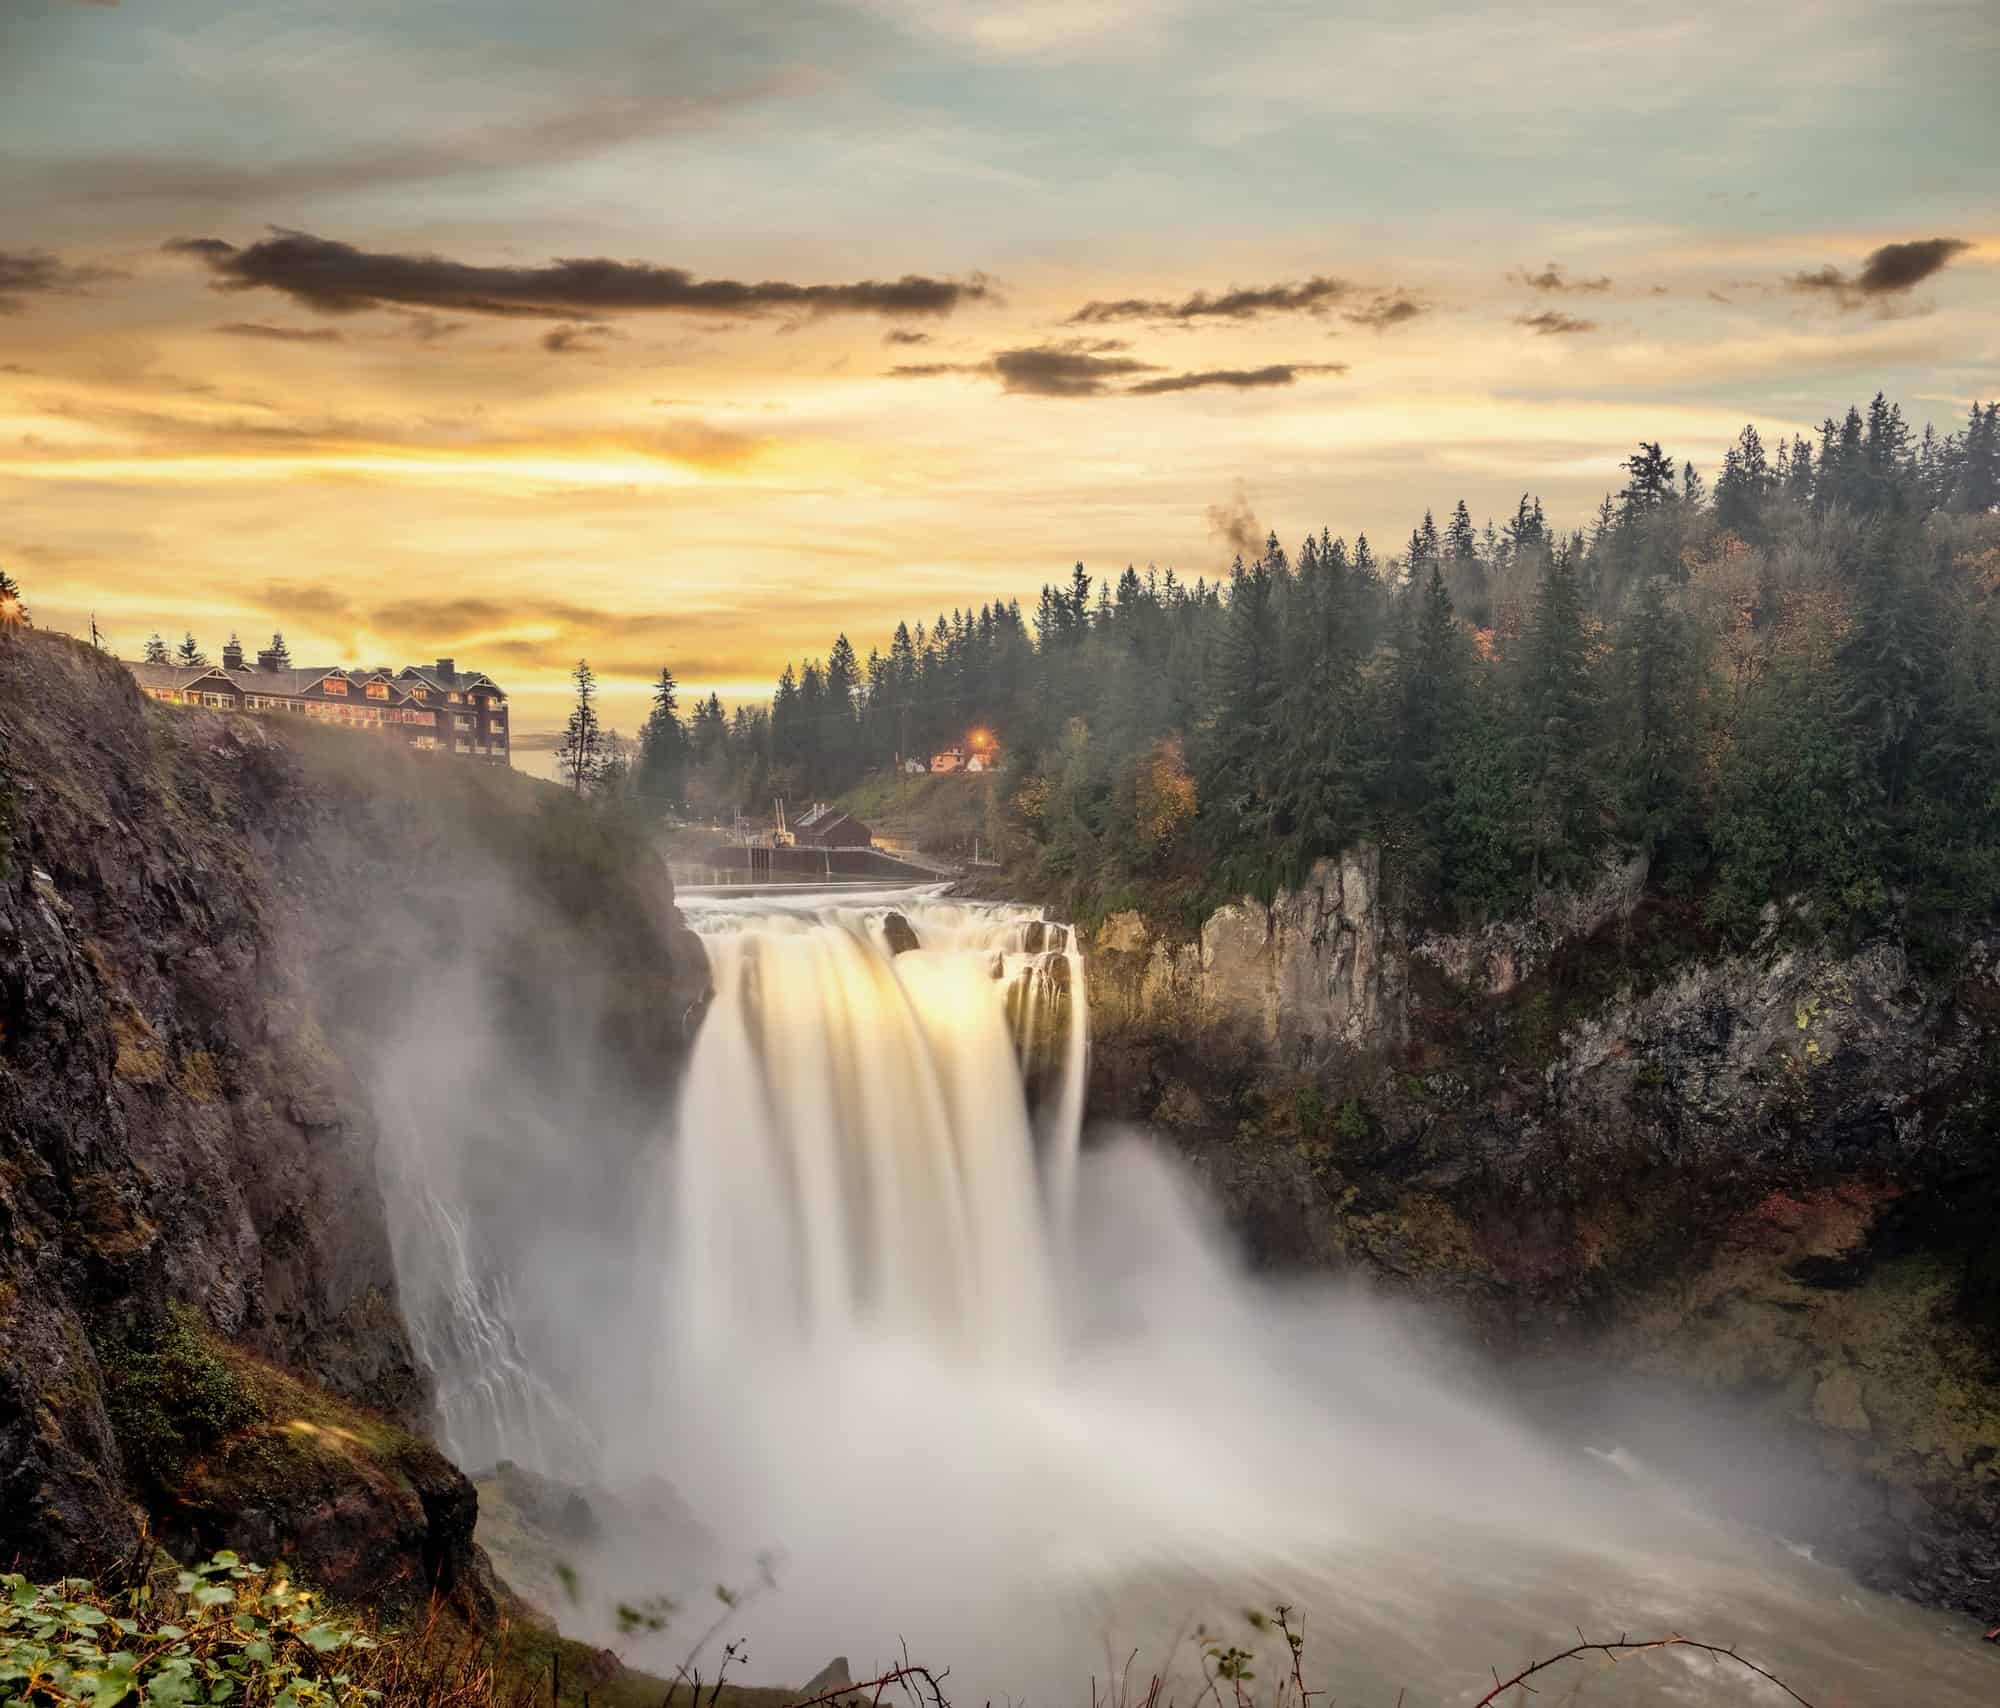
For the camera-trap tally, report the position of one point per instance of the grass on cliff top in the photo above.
(932, 811)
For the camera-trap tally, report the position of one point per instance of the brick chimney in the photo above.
(446, 673)
(232, 654)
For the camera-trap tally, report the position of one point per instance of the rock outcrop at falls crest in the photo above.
(208, 925)
(1319, 969)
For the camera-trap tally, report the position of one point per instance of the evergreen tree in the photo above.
(1744, 485)
(1650, 486)
(1658, 765)
(1974, 484)
(13, 608)
(1430, 686)
(156, 650)
(188, 655)
(1460, 542)
(1239, 809)
(1558, 730)
(281, 654)
(580, 754)
(663, 746)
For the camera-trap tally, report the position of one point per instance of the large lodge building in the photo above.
(435, 707)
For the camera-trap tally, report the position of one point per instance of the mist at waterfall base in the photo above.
(857, 1306)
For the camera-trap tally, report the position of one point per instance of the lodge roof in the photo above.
(176, 676)
(285, 682)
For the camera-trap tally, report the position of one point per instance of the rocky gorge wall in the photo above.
(1763, 1181)
(208, 927)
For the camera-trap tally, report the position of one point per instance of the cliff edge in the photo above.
(208, 926)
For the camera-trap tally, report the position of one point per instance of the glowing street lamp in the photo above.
(980, 738)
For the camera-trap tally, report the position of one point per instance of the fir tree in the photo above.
(188, 655)
(1558, 707)
(1238, 806)
(156, 650)
(13, 608)
(663, 745)
(580, 755)
(1429, 703)
(1657, 777)
(1461, 544)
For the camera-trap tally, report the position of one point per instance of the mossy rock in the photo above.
(232, 1452)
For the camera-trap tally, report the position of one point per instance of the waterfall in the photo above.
(856, 1153)
(859, 1300)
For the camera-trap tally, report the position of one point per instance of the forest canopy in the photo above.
(1783, 688)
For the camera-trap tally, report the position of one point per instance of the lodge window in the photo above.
(335, 687)
(378, 690)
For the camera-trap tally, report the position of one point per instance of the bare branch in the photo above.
(1612, 1651)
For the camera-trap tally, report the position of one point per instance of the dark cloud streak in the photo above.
(28, 273)
(1078, 367)
(1889, 272)
(1553, 278)
(1551, 323)
(1310, 296)
(279, 334)
(1389, 309)
(331, 277)
(1239, 379)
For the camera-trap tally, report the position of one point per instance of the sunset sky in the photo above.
(694, 333)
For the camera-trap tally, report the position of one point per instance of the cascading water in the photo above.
(868, 1305)
(857, 1152)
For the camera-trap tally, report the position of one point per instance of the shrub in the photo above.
(172, 1394)
(226, 1632)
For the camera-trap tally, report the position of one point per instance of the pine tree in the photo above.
(1558, 725)
(1461, 544)
(1430, 685)
(188, 655)
(1744, 484)
(1239, 809)
(156, 650)
(281, 654)
(13, 609)
(1650, 486)
(663, 745)
(580, 755)
(1657, 777)
(1321, 760)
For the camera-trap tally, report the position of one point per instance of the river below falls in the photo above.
(969, 1384)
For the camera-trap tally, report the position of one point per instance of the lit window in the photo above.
(334, 685)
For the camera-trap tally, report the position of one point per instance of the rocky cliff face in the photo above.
(1763, 1178)
(193, 972)
(1322, 969)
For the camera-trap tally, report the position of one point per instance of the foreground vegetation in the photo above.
(230, 1632)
